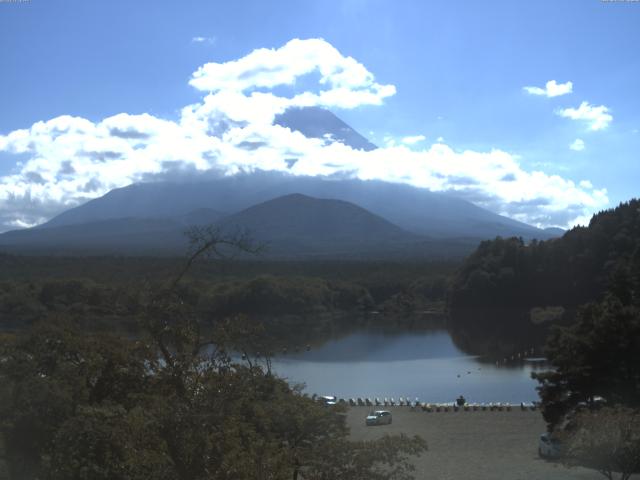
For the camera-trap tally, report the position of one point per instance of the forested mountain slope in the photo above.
(508, 292)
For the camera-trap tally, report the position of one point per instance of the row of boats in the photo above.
(427, 407)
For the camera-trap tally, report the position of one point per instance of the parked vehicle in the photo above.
(379, 417)
(328, 399)
(549, 446)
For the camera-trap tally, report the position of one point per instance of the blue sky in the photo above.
(458, 69)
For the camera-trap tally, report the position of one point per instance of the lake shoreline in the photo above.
(421, 364)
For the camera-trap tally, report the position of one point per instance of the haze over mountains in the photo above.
(295, 215)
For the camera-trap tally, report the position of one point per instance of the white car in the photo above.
(549, 447)
(379, 417)
(328, 400)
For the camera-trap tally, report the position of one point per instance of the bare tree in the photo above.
(170, 321)
(212, 241)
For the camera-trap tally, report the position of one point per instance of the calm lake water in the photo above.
(426, 365)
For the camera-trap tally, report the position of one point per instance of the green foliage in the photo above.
(597, 356)
(97, 306)
(270, 295)
(494, 291)
(96, 406)
(539, 315)
(168, 402)
(48, 375)
(607, 440)
(170, 405)
(103, 293)
(106, 442)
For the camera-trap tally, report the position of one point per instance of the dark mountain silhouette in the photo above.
(298, 223)
(413, 209)
(304, 216)
(290, 226)
(199, 216)
(112, 236)
(555, 231)
(131, 235)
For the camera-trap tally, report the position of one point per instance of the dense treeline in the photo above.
(381, 276)
(270, 295)
(591, 394)
(170, 403)
(598, 357)
(297, 302)
(98, 406)
(507, 293)
(98, 306)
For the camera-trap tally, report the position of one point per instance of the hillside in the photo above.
(511, 291)
(129, 235)
(290, 226)
(413, 209)
(300, 222)
(132, 236)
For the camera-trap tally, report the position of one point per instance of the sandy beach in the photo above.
(473, 445)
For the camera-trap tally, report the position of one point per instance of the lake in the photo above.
(423, 364)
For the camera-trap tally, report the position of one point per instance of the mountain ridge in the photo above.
(290, 226)
(169, 205)
(316, 122)
(414, 209)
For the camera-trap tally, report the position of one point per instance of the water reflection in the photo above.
(423, 364)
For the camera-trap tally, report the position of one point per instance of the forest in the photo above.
(297, 302)
(81, 397)
(508, 293)
(122, 367)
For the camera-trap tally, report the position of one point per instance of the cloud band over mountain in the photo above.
(68, 159)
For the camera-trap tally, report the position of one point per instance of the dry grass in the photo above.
(472, 445)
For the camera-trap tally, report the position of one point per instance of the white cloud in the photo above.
(597, 117)
(72, 159)
(413, 139)
(552, 89)
(577, 145)
(344, 82)
(208, 40)
(389, 141)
